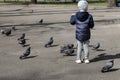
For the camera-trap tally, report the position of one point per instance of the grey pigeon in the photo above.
(26, 53)
(7, 32)
(22, 42)
(13, 28)
(67, 46)
(96, 46)
(49, 43)
(22, 36)
(41, 21)
(70, 46)
(68, 52)
(108, 66)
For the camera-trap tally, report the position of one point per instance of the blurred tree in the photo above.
(34, 1)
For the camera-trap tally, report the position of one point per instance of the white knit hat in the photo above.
(82, 5)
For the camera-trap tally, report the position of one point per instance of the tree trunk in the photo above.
(111, 3)
(73, 1)
(34, 1)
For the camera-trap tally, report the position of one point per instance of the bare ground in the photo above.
(48, 63)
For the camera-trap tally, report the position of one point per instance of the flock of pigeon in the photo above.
(67, 49)
(21, 40)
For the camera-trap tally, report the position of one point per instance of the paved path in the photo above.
(48, 63)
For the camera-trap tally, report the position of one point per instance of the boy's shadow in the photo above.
(103, 56)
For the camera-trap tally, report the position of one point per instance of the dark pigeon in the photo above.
(108, 66)
(22, 42)
(7, 32)
(96, 46)
(68, 52)
(22, 36)
(13, 28)
(70, 46)
(41, 21)
(67, 46)
(49, 43)
(26, 53)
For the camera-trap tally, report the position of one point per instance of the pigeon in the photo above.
(26, 53)
(7, 32)
(108, 66)
(22, 36)
(70, 46)
(68, 52)
(2, 31)
(41, 21)
(49, 43)
(22, 42)
(13, 28)
(67, 46)
(96, 46)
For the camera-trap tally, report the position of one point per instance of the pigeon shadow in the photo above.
(54, 45)
(70, 55)
(104, 56)
(26, 39)
(15, 30)
(99, 49)
(30, 57)
(90, 45)
(112, 70)
(9, 36)
(26, 45)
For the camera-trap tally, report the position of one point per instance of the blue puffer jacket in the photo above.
(84, 21)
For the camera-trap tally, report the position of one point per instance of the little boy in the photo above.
(84, 21)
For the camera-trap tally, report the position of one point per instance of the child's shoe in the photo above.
(78, 61)
(86, 61)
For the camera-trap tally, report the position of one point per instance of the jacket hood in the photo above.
(83, 5)
(82, 16)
